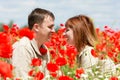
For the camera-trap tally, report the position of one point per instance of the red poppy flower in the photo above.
(61, 61)
(6, 50)
(36, 62)
(65, 78)
(14, 29)
(94, 53)
(53, 53)
(39, 76)
(61, 24)
(52, 67)
(31, 72)
(53, 74)
(62, 51)
(101, 46)
(110, 54)
(5, 45)
(6, 69)
(43, 51)
(61, 30)
(26, 32)
(48, 44)
(79, 72)
(113, 78)
(4, 38)
(71, 51)
(5, 28)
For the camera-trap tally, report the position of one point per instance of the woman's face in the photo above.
(69, 35)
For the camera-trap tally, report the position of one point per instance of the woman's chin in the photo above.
(70, 43)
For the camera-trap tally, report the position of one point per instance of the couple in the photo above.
(80, 33)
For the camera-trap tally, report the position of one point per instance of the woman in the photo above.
(80, 32)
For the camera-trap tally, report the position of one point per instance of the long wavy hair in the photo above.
(83, 31)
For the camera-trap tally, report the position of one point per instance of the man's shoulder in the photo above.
(22, 42)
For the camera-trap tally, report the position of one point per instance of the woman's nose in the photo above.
(64, 34)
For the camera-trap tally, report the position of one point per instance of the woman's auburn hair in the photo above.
(83, 31)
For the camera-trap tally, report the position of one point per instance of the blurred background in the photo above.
(103, 12)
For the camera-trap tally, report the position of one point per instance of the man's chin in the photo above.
(48, 40)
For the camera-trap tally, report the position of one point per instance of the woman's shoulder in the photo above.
(87, 59)
(87, 48)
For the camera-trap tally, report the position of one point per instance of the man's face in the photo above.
(46, 29)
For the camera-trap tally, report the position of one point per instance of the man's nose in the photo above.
(53, 30)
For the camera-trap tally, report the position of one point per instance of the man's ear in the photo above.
(36, 30)
(36, 26)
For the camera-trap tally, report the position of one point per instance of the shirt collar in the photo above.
(34, 45)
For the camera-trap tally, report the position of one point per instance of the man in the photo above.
(41, 22)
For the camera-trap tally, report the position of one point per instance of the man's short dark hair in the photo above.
(37, 16)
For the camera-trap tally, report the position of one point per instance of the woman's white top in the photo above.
(87, 60)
